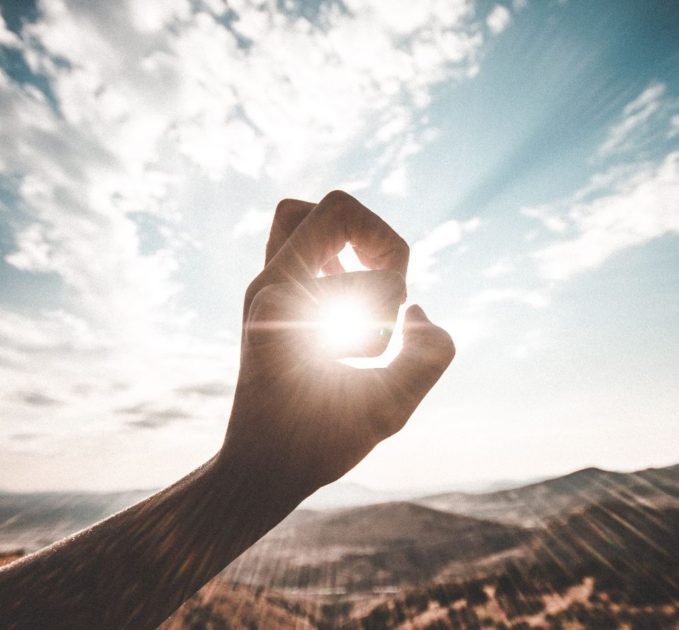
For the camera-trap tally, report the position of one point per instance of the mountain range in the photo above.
(593, 548)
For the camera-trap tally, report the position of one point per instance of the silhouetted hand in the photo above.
(300, 418)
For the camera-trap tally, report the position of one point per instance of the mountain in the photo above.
(534, 504)
(32, 520)
(590, 549)
(611, 565)
(384, 545)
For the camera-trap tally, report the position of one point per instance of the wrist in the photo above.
(256, 483)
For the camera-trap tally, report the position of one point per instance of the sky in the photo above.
(528, 151)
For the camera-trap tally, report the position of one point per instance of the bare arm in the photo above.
(299, 421)
(133, 569)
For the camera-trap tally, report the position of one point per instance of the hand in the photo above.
(300, 419)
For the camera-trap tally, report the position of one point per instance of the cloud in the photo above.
(253, 222)
(37, 399)
(634, 116)
(217, 389)
(396, 182)
(635, 213)
(139, 99)
(157, 419)
(674, 127)
(424, 252)
(498, 19)
(7, 37)
(100, 386)
(547, 217)
(24, 437)
(630, 203)
(143, 107)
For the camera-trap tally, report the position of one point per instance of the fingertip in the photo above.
(416, 313)
(428, 339)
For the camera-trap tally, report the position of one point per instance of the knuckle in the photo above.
(252, 290)
(263, 303)
(336, 197)
(446, 346)
(395, 281)
(339, 207)
(284, 206)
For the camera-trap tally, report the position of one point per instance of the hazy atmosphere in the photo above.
(527, 151)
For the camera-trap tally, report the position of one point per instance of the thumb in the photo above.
(427, 348)
(427, 352)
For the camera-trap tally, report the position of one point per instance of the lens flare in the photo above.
(344, 324)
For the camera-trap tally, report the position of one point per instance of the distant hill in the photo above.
(388, 544)
(388, 524)
(534, 504)
(590, 549)
(32, 520)
(611, 565)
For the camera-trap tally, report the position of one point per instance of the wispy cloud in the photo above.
(627, 204)
(37, 399)
(216, 389)
(154, 419)
(632, 215)
(498, 19)
(253, 222)
(424, 252)
(146, 102)
(634, 116)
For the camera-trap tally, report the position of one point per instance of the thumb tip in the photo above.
(416, 313)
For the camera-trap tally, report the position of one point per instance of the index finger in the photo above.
(289, 214)
(338, 218)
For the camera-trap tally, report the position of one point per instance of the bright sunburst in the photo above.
(344, 324)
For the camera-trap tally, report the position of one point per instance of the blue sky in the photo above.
(528, 151)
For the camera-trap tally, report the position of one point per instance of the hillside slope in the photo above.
(534, 504)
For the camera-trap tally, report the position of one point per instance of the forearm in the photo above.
(135, 568)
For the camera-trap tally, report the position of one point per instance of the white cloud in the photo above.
(626, 205)
(549, 219)
(632, 215)
(153, 100)
(7, 37)
(634, 116)
(424, 252)
(253, 222)
(498, 19)
(140, 97)
(674, 126)
(151, 16)
(396, 182)
(57, 360)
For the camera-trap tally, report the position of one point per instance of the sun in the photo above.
(344, 325)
